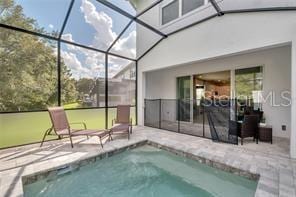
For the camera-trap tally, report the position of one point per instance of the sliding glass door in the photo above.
(249, 86)
(183, 94)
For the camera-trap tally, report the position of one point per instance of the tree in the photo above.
(84, 85)
(28, 77)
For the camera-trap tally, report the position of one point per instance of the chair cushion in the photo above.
(90, 132)
(64, 132)
(120, 128)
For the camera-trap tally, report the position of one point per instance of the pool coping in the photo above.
(31, 175)
(73, 166)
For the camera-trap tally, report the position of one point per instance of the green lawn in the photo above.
(23, 128)
(71, 105)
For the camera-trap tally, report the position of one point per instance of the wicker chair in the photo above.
(258, 113)
(233, 128)
(249, 128)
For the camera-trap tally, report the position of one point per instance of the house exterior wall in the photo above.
(229, 34)
(153, 16)
(220, 37)
(293, 95)
(212, 39)
(276, 78)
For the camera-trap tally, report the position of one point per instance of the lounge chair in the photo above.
(61, 127)
(122, 125)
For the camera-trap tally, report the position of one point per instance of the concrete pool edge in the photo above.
(209, 162)
(39, 175)
(15, 184)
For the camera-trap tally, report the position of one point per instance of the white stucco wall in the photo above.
(293, 108)
(222, 36)
(217, 38)
(277, 78)
(153, 16)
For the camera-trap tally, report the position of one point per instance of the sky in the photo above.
(92, 24)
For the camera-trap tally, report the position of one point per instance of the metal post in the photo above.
(59, 74)
(178, 111)
(119, 36)
(66, 19)
(145, 112)
(106, 91)
(59, 51)
(160, 113)
(203, 117)
(137, 93)
(236, 118)
(217, 8)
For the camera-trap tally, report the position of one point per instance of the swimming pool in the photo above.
(144, 171)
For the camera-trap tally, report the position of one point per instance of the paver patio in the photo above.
(271, 161)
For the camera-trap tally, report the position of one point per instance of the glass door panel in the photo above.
(183, 94)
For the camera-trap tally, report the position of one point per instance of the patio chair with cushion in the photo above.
(214, 134)
(61, 127)
(232, 129)
(122, 125)
(259, 113)
(249, 128)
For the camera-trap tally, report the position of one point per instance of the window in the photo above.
(189, 5)
(177, 8)
(170, 12)
(183, 93)
(249, 84)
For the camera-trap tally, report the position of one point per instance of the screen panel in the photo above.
(28, 77)
(129, 45)
(21, 128)
(44, 16)
(82, 77)
(121, 81)
(112, 116)
(94, 24)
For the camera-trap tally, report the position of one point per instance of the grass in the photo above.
(24, 128)
(71, 105)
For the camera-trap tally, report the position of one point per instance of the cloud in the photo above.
(95, 61)
(91, 64)
(75, 65)
(68, 37)
(104, 35)
(126, 46)
(51, 26)
(101, 22)
(116, 65)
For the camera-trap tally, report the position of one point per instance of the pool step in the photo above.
(64, 170)
(203, 177)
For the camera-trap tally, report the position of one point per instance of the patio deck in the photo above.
(271, 161)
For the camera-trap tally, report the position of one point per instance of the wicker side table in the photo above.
(265, 134)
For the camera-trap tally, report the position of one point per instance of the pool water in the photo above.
(144, 171)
